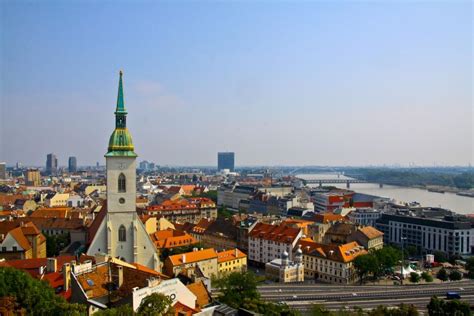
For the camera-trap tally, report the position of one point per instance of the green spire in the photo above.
(120, 103)
(120, 142)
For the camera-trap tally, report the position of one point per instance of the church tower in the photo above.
(121, 233)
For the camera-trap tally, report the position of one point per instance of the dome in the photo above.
(120, 143)
(299, 252)
(285, 255)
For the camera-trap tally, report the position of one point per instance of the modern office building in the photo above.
(32, 177)
(72, 165)
(226, 160)
(3, 170)
(51, 164)
(429, 230)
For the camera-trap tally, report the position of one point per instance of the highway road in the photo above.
(303, 296)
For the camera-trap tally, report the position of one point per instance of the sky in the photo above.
(279, 83)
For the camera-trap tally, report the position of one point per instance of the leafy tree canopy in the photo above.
(37, 297)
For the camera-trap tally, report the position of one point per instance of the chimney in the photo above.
(183, 258)
(67, 276)
(120, 276)
(52, 265)
(236, 252)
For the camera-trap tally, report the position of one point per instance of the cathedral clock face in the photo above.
(121, 166)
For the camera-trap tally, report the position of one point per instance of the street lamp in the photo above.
(403, 260)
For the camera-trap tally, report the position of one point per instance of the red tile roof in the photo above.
(229, 255)
(280, 233)
(193, 256)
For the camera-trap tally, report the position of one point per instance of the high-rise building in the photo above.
(144, 165)
(72, 165)
(121, 232)
(51, 164)
(225, 160)
(33, 177)
(3, 170)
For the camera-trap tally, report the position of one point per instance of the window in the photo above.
(121, 183)
(122, 233)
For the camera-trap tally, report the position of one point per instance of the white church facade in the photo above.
(121, 233)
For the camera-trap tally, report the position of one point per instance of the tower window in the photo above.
(122, 233)
(121, 183)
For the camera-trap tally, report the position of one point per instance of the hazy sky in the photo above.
(300, 83)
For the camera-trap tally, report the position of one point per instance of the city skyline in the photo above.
(307, 84)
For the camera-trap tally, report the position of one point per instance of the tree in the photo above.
(427, 277)
(402, 310)
(470, 267)
(414, 277)
(122, 310)
(411, 250)
(442, 274)
(440, 256)
(236, 287)
(56, 243)
(267, 308)
(37, 297)
(366, 264)
(455, 275)
(319, 310)
(156, 304)
(438, 306)
(388, 257)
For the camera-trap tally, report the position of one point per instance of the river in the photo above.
(457, 203)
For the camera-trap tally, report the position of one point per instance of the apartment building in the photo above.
(184, 210)
(330, 263)
(205, 259)
(232, 260)
(268, 242)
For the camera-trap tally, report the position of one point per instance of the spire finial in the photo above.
(120, 102)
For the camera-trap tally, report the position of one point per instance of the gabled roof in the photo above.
(171, 238)
(325, 218)
(370, 232)
(277, 233)
(229, 255)
(222, 227)
(202, 226)
(202, 294)
(340, 253)
(193, 256)
(20, 238)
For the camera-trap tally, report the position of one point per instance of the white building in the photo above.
(121, 233)
(268, 242)
(285, 271)
(172, 288)
(364, 216)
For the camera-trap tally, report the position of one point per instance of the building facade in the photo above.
(51, 164)
(285, 271)
(33, 177)
(429, 230)
(226, 160)
(72, 164)
(330, 263)
(232, 260)
(3, 170)
(364, 216)
(268, 242)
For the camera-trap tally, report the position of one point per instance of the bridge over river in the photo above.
(335, 181)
